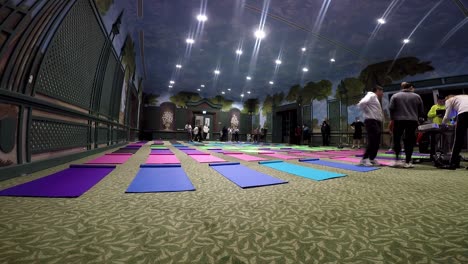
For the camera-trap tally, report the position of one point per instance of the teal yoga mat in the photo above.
(306, 172)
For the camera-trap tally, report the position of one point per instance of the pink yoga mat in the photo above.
(245, 157)
(281, 156)
(111, 158)
(356, 160)
(162, 159)
(206, 158)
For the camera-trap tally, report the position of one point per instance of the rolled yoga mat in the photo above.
(206, 158)
(126, 150)
(162, 159)
(111, 158)
(306, 172)
(338, 165)
(71, 182)
(160, 178)
(244, 177)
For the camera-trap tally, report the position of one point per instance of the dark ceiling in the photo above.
(344, 30)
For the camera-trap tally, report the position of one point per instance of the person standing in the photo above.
(298, 134)
(236, 134)
(458, 103)
(373, 118)
(229, 131)
(325, 129)
(357, 135)
(195, 133)
(188, 128)
(206, 129)
(437, 111)
(306, 134)
(406, 107)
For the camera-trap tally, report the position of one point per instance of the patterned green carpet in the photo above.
(386, 216)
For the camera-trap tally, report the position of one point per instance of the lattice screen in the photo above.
(69, 65)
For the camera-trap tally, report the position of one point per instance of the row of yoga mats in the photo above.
(77, 179)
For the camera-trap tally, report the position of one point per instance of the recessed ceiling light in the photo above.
(271, 82)
(171, 82)
(202, 18)
(229, 89)
(239, 52)
(332, 60)
(278, 62)
(248, 78)
(190, 41)
(303, 49)
(203, 86)
(248, 92)
(178, 66)
(222, 92)
(305, 69)
(242, 95)
(170, 86)
(260, 34)
(217, 72)
(381, 21)
(406, 41)
(198, 89)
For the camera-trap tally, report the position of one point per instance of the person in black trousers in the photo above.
(459, 104)
(325, 129)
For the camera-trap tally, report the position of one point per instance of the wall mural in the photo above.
(167, 116)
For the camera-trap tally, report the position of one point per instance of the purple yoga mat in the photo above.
(245, 157)
(161, 151)
(71, 182)
(112, 158)
(206, 158)
(162, 159)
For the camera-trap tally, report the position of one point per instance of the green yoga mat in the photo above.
(306, 172)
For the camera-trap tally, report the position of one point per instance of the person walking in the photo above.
(188, 128)
(406, 107)
(325, 129)
(373, 118)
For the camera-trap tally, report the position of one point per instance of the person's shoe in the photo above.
(374, 162)
(353, 147)
(397, 164)
(449, 167)
(365, 162)
(408, 165)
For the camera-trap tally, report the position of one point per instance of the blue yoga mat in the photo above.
(338, 165)
(243, 176)
(306, 172)
(160, 178)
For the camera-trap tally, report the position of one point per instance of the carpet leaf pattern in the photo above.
(384, 216)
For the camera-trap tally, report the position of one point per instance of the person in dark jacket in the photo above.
(325, 129)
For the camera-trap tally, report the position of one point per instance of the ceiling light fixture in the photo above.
(305, 69)
(198, 89)
(239, 52)
(381, 21)
(278, 62)
(170, 86)
(202, 18)
(190, 41)
(332, 60)
(242, 95)
(171, 82)
(248, 78)
(303, 49)
(260, 34)
(222, 92)
(406, 41)
(271, 82)
(203, 86)
(229, 89)
(178, 66)
(248, 92)
(217, 72)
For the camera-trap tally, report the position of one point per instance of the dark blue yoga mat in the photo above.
(306, 172)
(338, 165)
(160, 178)
(243, 176)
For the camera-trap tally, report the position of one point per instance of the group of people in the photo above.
(198, 133)
(406, 113)
(258, 135)
(229, 134)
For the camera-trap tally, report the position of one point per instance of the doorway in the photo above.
(288, 124)
(205, 119)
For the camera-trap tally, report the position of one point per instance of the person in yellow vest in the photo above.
(437, 111)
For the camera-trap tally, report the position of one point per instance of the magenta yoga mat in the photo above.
(112, 158)
(162, 159)
(281, 156)
(245, 157)
(206, 158)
